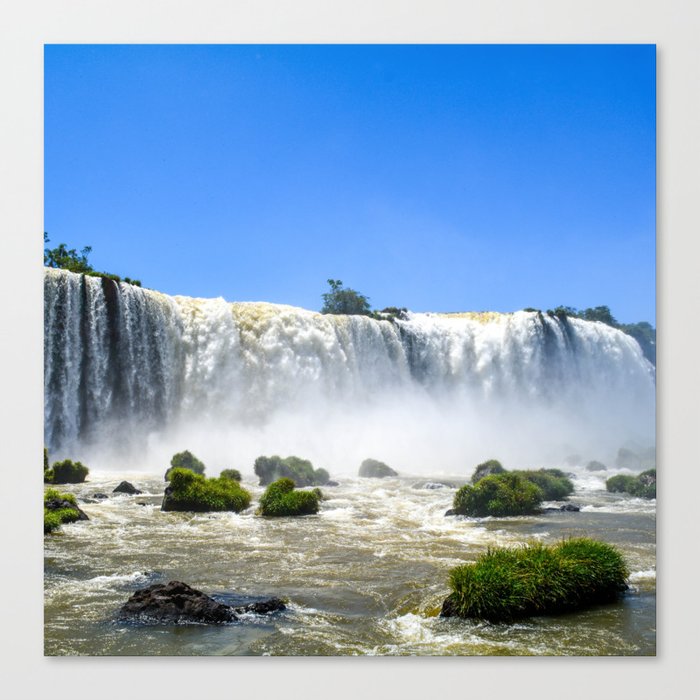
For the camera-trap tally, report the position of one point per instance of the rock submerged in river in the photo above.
(126, 487)
(176, 602)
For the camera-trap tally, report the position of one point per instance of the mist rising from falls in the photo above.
(132, 376)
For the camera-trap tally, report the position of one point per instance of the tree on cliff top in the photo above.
(344, 301)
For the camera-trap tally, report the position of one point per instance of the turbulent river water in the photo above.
(366, 576)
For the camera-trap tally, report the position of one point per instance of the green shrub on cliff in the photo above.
(555, 485)
(280, 498)
(66, 472)
(507, 584)
(189, 491)
(300, 471)
(499, 495)
(185, 460)
(233, 474)
(642, 486)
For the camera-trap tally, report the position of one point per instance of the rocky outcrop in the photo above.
(126, 487)
(374, 469)
(176, 603)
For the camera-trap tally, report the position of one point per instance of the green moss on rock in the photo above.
(555, 485)
(642, 486)
(488, 468)
(60, 508)
(300, 471)
(499, 495)
(508, 584)
(189, 491)
(66, 472)
(374, 469)
(281, 498)
(185, 460)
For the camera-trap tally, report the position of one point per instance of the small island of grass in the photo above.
(299, 470)
(281, 498)
(185, 460)
(508, 584)
(503, 494)
(374, 469)
(189, 491)
(65, 472)
(60, 508)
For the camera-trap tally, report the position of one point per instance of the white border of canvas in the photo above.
(26, 25)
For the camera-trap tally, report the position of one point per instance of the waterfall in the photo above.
(133, 372)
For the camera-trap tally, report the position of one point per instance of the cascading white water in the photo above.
(135, 375)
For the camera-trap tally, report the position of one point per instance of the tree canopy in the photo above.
(340, 300)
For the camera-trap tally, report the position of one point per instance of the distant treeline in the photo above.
(644, 333)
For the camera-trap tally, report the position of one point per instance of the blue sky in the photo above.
(441, 178)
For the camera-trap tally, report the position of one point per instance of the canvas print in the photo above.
(349, 350)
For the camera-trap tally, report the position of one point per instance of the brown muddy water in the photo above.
(366, 576)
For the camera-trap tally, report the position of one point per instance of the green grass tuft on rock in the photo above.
(185, 460)
(503, 494)
(555, 485)
(281, 498)
(374, 469)
(508, 584)
(299, 470)
(487, 468)
(59, 508)
(189, 491)
(66, 472)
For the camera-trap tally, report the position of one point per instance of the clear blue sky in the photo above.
(440, 178)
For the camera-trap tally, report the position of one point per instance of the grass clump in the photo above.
(642, 486)
(281, 498)
(373, 468)
(60, 508)
(499, 495)
(189, 491)
(66, 472)
(185, 460)
(555, 485)
(488, 468)
(507, 584)
(232, 474)
(300, 471)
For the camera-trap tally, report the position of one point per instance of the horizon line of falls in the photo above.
(132, 376)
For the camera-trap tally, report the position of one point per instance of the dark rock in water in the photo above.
(451, 511)
(100, 496)
(434, 485)
(567, 507)
(176, 602)
(126, 487)
(596, 467)
(331, 483)
(449, 609)
(263, 607)
(61, 504)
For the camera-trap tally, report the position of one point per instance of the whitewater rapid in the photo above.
(132, 376)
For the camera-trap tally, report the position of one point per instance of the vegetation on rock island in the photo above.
(642, 486)
(554, 483)
(281, 498)
(60, 508)
(340, 300)
(300, 471)
(185, 460)
(508, 584)
(233, 474)
(65, 472)
(491, 466)
(189, 491)
(374, 469)
(503, 494)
